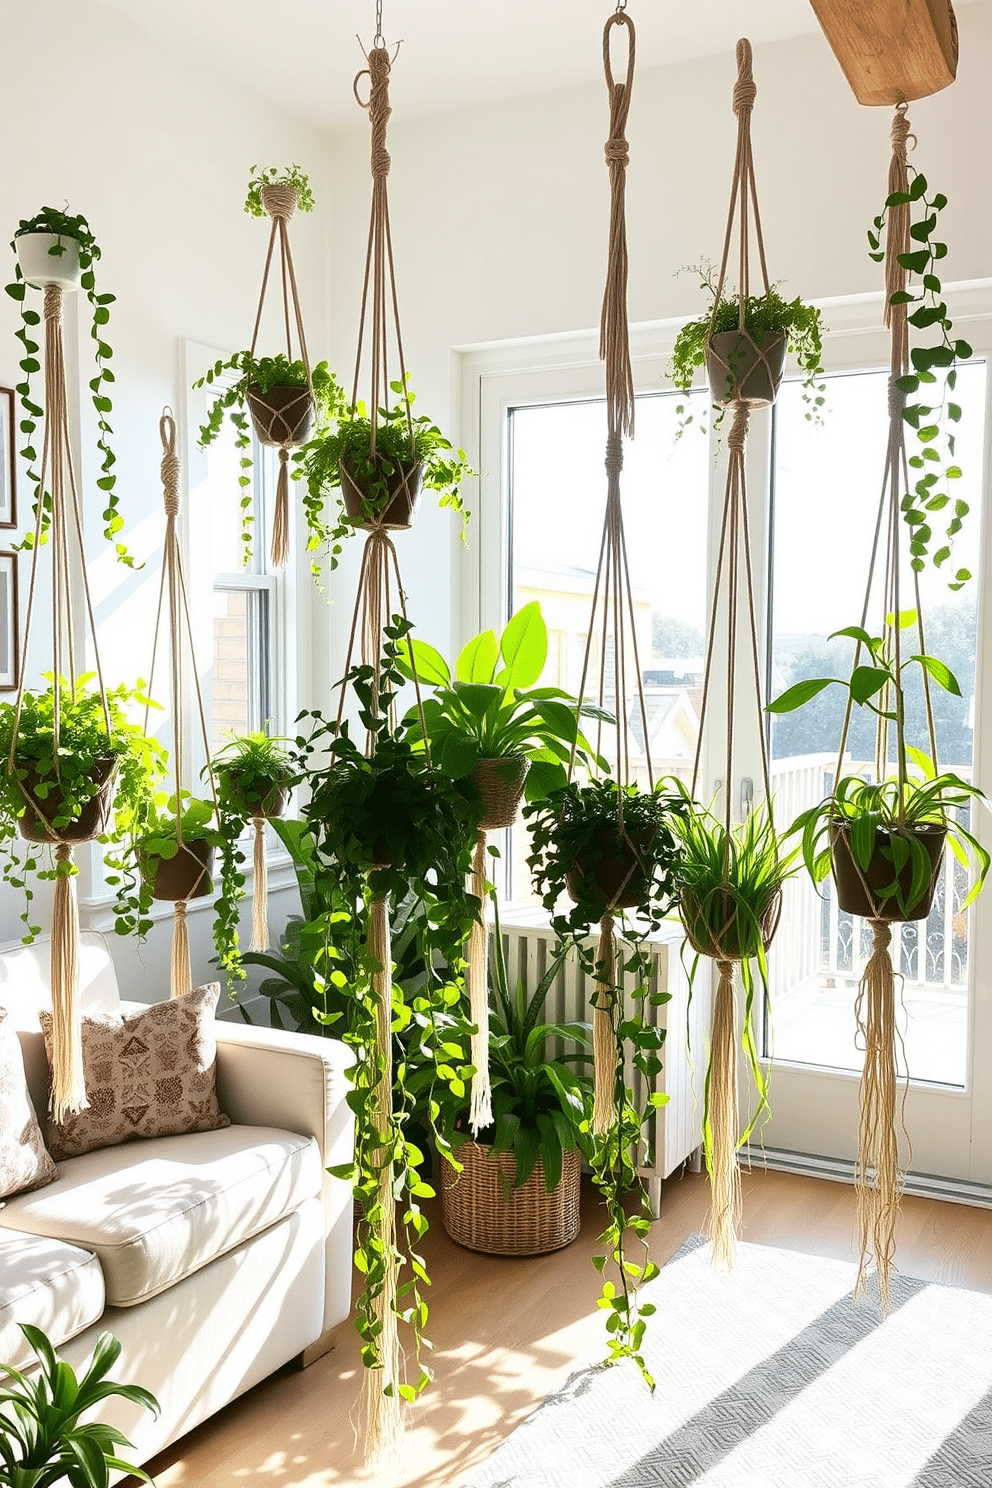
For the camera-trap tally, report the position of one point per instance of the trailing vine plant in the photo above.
(932, 365)
(64, 225)
(385, 826)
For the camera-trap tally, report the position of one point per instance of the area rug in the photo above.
(770, 1376)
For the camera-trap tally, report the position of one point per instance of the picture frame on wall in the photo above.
(10, 638)
(8, 462)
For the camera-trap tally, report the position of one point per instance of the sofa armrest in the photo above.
(298, 1082)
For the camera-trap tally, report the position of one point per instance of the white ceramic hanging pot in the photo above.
(40, 266)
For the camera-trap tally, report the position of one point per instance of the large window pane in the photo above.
(826, 491)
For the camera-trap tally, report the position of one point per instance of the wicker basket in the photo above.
(500, 783)
(483, 1211)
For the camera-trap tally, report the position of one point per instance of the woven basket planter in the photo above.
(93, 819)
(397, 509)
(282, 415)
(483, 1211)
(500, 783)
(728, 943)
(741, 371)
(852, 895)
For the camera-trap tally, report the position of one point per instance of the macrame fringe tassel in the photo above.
(481, 1109)
(878, 1182)
(724, 1122)
(280, 517)
(383, 1411)
(181, 977)
(68, 1082)
(604, 1041)
(260, 900)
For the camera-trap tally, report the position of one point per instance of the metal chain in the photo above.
(380, 40)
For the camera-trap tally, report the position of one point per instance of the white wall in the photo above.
(155, 150)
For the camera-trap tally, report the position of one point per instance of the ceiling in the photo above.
(303, 54)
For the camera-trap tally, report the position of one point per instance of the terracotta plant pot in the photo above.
(500, 783)
(40, 267)
(483, 1211)
(282, 415)
(92, 820)
(186, 876)
(855, 898)
(273, 803)
(612, 863)
(739, 370)
(396, 509)
(732, 939)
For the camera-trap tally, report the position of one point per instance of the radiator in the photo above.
(674, 1132)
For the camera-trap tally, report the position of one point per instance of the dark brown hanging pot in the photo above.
(500, 784)
(395, 508)
(612, 863)
(185, 876)
(742, 371)
(281, 415)
(271, 804)
(733, 936)
(857, 889)
(92, 821)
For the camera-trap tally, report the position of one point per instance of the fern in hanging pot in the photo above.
(93, 785)
(745, 362)
(57, 248)
(255, 774)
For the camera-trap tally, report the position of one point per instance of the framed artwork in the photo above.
(10, 640)
(8, 463)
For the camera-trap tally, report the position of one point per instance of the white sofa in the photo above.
(216, 1257)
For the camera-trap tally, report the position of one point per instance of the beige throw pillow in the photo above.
(149, 1073)
(24, 1162)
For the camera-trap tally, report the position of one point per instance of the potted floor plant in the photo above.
(378, 483)
(517, 1191)
(43, 1440)
(95, 784)
(747, 364)
(58, 248)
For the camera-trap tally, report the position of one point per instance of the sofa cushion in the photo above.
(155, 1211)
(149, 1073)
(24, 1162)
(57, 1287)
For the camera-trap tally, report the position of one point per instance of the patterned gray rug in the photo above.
(771, 1377)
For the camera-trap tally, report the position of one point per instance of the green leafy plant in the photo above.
(43, 1441)
(932, 365)
(895, 813)
(272, 175)
(384, 825)
(349, 438)
(251, 770)
(63, 225)
(492, 710)
(763, 315)
(65, 780)
(264, 373)
(573, 832)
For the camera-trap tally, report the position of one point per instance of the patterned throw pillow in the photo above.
(149, 1073)
(24, 1163)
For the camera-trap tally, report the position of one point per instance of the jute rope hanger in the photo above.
(734, 580)
(69, 570)
(280, 203)
(172, 592)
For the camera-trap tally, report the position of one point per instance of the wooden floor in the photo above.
(507, 1332)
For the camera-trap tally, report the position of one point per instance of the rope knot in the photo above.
(726, 971)
(617, 150)
(897, 399)
(737, 437)
(54, 300)
(900, 133)
(380, 162)
(280, 201)
(881, 932)
(614, 457)
(170, 482)
(283, 453)
(63, 853)
(180, 914)
(745, 92)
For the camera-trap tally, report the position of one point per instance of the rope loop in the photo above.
(619, 18)
(170, 465)
(280, 201)
(901, 133)
(737, 438)
(54, 300)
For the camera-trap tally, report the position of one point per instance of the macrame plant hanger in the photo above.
(193, 872)
(878, 1178)
(612, 599)
(380, 595)
(69, 569)
(733, 565)
(282, 415)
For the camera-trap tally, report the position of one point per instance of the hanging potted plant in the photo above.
(57, 248)
(518, 1189)
(743, 347)
(255, 774)
(95, 785)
